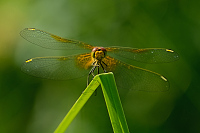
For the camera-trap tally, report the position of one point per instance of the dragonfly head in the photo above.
(98, 53)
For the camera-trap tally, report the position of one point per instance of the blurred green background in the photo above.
(34, 105)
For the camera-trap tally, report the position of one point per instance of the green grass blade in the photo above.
(113, 103)
(112, 100)
(77, 106)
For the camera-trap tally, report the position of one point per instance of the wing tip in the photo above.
(162, 77)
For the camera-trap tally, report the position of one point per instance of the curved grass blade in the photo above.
(77, 106)
(112, 100)
(113, 103)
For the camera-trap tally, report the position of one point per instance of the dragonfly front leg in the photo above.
(103, 67)
(91, 72)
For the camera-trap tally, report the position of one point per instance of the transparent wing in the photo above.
(148, 55)
(48, 40)
(59, 68)
(135, 78)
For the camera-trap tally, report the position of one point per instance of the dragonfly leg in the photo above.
(97, 69)
(103, 67)
(95, 93)
(91, 72)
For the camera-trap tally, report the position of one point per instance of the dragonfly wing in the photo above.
(135, 78)
(48, 40)
(148, 55)
(59, 68)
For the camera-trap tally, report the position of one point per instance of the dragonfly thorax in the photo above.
(98, 53)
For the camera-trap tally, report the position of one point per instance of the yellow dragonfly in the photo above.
(71, 67)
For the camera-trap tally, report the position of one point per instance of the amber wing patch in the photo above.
(111, 63)
(84, 61)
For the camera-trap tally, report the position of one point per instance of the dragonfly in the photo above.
(98, 58)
